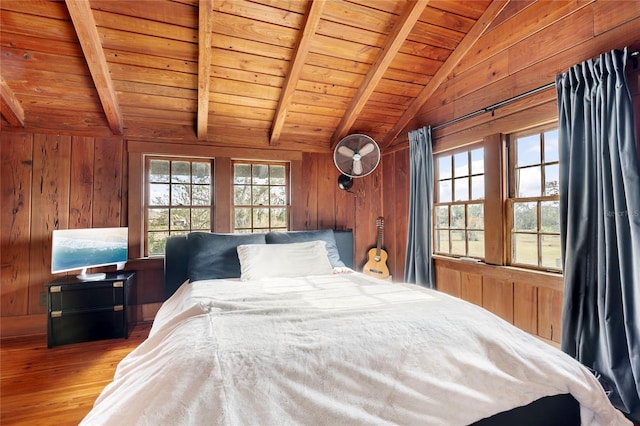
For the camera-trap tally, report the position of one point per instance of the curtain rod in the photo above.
(491, 108)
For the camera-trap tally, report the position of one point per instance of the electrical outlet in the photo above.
(43, 298)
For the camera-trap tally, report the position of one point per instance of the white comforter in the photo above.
(330, 350)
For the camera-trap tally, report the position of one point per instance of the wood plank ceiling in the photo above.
(284, 74)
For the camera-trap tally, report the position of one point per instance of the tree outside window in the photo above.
(260, 196)
(179, 199)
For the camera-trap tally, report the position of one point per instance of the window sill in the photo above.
(550, 280)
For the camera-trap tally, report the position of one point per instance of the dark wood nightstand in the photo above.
(82, 311)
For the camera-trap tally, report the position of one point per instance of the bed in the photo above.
(277, 329)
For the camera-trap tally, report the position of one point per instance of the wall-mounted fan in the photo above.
(355, 156)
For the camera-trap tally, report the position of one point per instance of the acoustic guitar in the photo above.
(376, 266)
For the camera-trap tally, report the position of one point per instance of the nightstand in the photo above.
(82, 311)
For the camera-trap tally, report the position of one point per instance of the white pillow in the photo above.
(283, 260)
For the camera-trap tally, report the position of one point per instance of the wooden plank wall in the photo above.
(56, 182)
(396, 169)
(50, 182)
(322, 204)
(530, 300)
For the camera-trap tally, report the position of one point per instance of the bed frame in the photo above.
(177, 255)
(557, 410)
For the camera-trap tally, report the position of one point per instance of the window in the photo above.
(459, 206)
(260, 196)
(534, 221)
(179, 199)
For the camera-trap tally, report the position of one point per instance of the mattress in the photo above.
(335, 349)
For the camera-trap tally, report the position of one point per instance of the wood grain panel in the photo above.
(428, 33)
(135, 219)
(535, 17)
(132, 42)
(607, 16)
(387, 163)
(368, 209)
(147, 27)
(359, 16)
(477, 77)
(570, 31)
(60, 83)
(327, 186)
(497, 297)
(181, 14)
(34, 60)
(345, 49)
(471, 288)
(81, 182)
(525, 307)
(550, 314)
(138, 74)
(15, 218)
(149, 103)
(50, 204)
(256, 30)
(291, 17)
(56, 10)
(37, 26)
(345, 206)
(309, 191)
(400, 207)
(448, 281)
(67, 48)
(107, 186)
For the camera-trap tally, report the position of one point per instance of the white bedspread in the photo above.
(335, 350)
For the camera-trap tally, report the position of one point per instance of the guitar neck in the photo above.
(379, 242)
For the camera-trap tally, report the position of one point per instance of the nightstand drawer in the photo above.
(82, 296)
(86, 325)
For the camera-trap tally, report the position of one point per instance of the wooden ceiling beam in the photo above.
(309, 28)
(87, 32)
(10, 106)
(463, 48)
(392, 45)
(205, 34)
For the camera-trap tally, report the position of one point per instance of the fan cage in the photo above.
(356, 142)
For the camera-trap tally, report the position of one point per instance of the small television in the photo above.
(81, 249)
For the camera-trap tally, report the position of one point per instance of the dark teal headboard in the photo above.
(176, 258)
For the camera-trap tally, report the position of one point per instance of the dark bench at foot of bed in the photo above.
(556, 410)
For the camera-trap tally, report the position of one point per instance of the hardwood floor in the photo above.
(41, 386)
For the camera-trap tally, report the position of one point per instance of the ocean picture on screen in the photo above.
(74, 249)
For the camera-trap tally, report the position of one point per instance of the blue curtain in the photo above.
(600, 225)
(418, 266)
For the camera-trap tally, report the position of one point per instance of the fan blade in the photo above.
(367, 149)
(345, 151)
(357, 167)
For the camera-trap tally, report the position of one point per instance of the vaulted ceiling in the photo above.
(285, 74)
